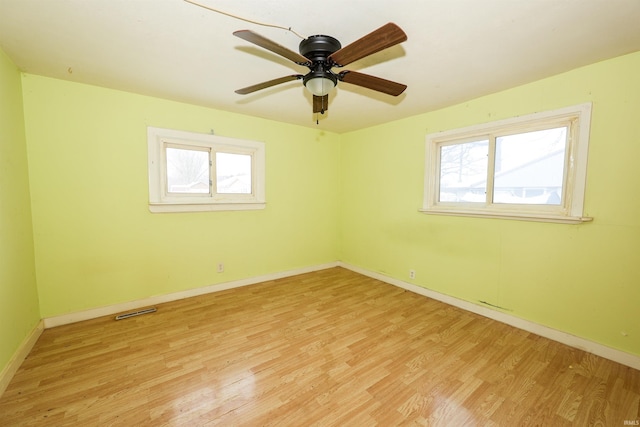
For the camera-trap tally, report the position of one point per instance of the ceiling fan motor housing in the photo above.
(317, 49)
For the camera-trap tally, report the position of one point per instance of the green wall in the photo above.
(19, 312)
(96, 243)
(581, 279)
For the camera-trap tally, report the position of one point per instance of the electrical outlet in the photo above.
(412, 274)
(220, 267)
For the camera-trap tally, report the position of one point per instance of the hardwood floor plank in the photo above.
(326, 348)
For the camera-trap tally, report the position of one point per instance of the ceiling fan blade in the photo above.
(384, 37)
(264, 85)
(320, 104)
(274, 47)
(371, 82)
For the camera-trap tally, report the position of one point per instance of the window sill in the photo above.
(506, 215)
(204, 207)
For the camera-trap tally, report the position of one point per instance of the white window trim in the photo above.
(570, 212)
(161, 201)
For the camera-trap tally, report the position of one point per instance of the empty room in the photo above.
(292, 213)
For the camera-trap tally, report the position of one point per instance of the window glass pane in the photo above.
(233, 173)
(463, 172)
(529, 167)
(187, 171)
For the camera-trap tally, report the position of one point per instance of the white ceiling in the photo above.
(456, 50)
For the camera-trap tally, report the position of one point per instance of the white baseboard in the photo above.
(93, 313)
(593, 347)
(18, 357)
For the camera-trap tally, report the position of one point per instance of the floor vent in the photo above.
(136, 313)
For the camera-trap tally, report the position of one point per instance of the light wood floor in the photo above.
(326, 348)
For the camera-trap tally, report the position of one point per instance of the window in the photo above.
(201, 172)
(531, 167)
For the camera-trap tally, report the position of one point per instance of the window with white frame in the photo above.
(531, 167)
(203, 172)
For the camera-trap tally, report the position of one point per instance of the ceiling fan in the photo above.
(321, 53)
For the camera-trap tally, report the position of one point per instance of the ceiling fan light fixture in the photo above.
(320, 86)
(320, 83)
